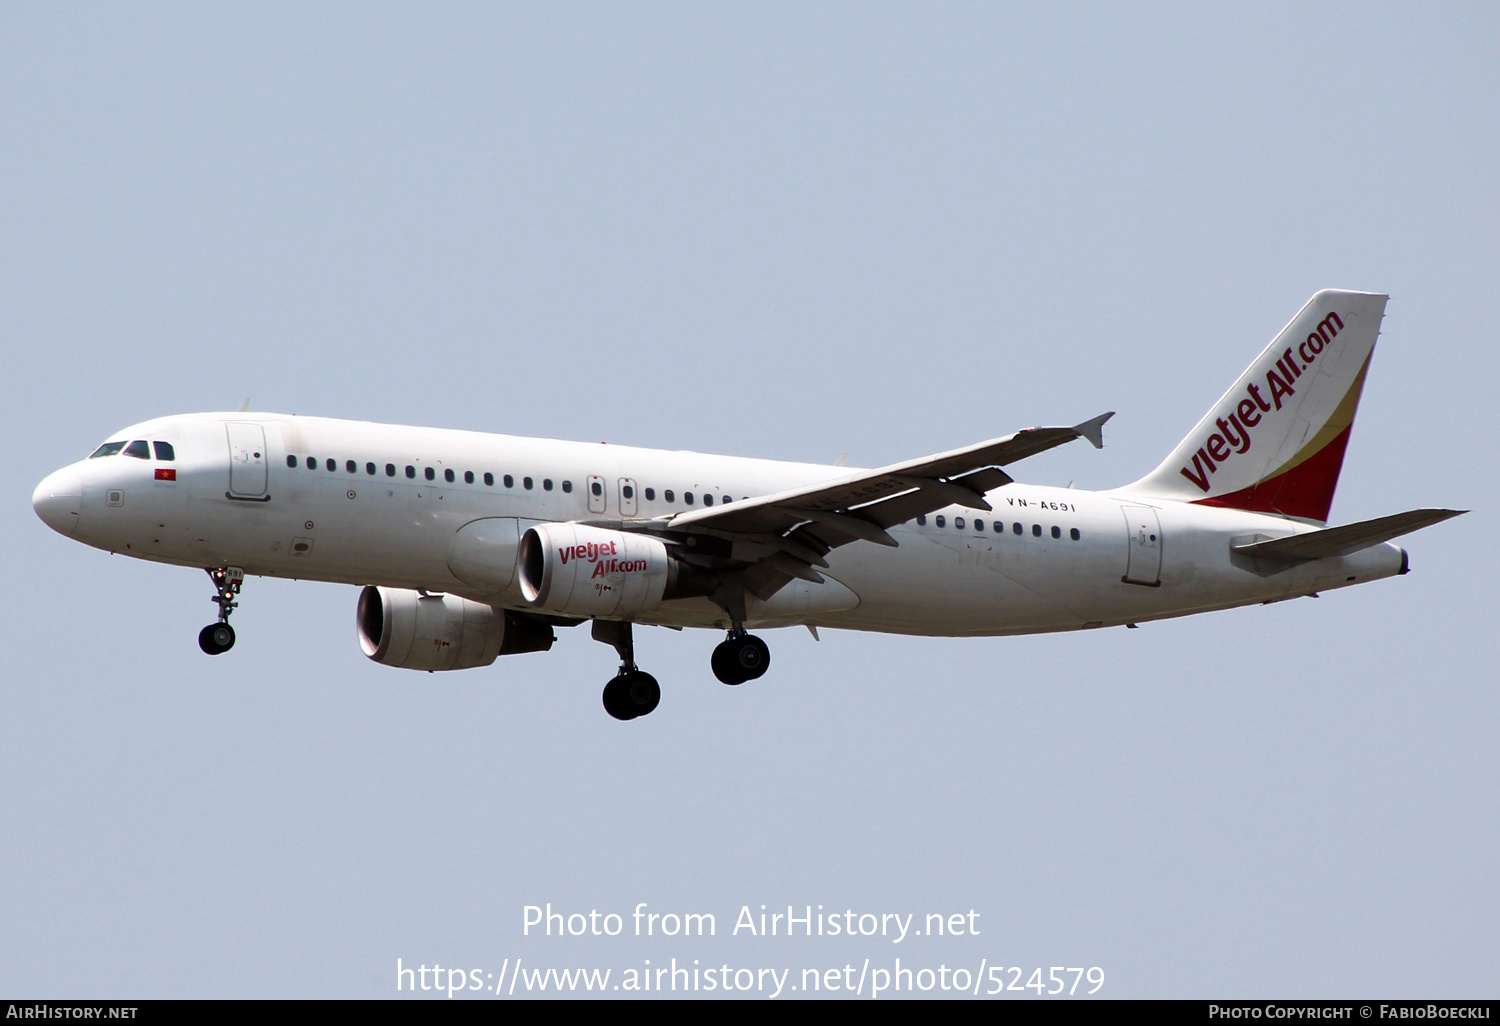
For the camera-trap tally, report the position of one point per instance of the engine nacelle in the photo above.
(576, 570)
(428, 632)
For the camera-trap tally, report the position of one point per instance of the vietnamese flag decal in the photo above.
(166, 474)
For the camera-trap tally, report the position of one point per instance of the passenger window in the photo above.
(1036, 530)
(596, 488)
(164, 451)
(429, 473)
(332, 465)
(390, 470)
(628, 492)
(291, 461)
(922, 519)
(312, 463)
(350, 467)
(138, 449)
(940, 520)
(958, 522)
(1074, 534)
(650, 494)
(1016, 528)
(113, 449)
(546, 484)
(370, 469)
(1056, 532)
(568, 486)
(510, 482)
(411, 471)
(468, 477)
(669, 496)
(708, 500)
(448, 476)
(979, 525)
(687, 497)
(526, 483)
(727, 499)
(489, 479)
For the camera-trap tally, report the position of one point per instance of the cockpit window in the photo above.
(164, 451)
(108, 449)
(138, 449)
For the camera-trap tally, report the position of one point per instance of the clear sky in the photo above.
(781, 230)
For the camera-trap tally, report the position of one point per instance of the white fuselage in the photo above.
(1081, 559)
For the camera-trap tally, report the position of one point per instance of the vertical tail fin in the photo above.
(1274, 442)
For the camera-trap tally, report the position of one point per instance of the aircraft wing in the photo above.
(799, 526)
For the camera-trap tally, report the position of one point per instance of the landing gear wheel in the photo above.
(614, 699)
(216, 638)
(631, 694)
(740, 658)
(642, 692)
(724, 666)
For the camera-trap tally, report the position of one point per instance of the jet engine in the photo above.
(577, 570)
(419, 631)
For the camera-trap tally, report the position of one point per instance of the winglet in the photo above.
(1093, 429)
(244, 406)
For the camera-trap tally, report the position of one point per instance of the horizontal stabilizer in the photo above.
(1341, 541)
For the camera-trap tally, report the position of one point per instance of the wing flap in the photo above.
(901, 508)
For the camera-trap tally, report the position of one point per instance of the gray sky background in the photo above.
(780, 230)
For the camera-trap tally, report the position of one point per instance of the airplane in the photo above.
(470, 546)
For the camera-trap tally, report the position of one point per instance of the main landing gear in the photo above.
(740, 657)
(218, 638)
(632, 692)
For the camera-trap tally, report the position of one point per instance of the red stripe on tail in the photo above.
(1304, 491)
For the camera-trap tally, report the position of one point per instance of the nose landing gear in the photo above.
(218, 638)
(740, 657)
(632, 692)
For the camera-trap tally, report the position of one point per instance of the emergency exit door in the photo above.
(1143, 561)
(595, 486)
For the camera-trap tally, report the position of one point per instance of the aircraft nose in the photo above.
(57, 499)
